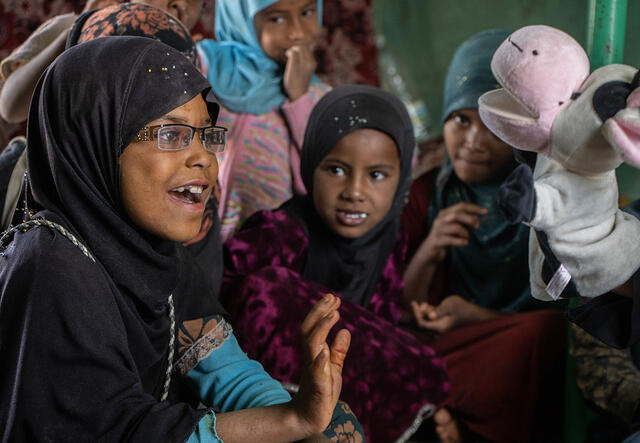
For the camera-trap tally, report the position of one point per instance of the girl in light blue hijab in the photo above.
(261, 66)
(245, 76)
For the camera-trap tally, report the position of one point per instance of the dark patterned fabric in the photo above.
(390, 379)
(344, 427)
(347, 52)
(606, 376)
(134, 19)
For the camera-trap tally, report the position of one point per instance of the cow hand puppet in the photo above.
(582, 127)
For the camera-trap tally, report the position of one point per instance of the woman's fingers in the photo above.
(340, 347)
(317, 339)
(322, 307)
(320, 362)
(315, 328)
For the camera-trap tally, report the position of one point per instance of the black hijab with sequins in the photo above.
(351, 267)
(142, 20)
(86, 109)
(117, 89)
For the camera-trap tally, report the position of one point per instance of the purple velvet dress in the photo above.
(391, 380)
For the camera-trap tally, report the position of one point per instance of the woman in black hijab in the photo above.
(132, 19)
(107, 332)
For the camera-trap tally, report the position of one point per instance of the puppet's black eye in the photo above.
(611, 97)
(535, 52)
(636, 80)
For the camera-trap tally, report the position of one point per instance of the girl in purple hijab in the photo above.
(344, 236)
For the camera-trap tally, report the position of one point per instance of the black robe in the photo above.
(84, 344)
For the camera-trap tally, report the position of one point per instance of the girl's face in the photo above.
(476, 154)
(287, 23)
(354, 185)
(164, 192)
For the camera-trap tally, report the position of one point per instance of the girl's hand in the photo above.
(301, 64)
(454, 311)
(451, 228)
(322, 380)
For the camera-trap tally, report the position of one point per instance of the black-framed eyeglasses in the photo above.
(178, 136)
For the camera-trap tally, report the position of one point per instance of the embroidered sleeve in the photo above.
(198, 338)
(344, 426)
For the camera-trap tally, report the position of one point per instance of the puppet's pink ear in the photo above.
(513, 123)
(622, 131)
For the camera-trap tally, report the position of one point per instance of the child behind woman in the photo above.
(261, 66)
(468, 278)
(343, 236)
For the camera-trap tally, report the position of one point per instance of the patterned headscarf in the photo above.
(469, 74)
(243, 77)
(134, 19)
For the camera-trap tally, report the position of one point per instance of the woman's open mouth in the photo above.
(190, 196)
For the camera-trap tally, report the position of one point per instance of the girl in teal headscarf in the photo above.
(469, 271)
(466, 187)
(261, 67)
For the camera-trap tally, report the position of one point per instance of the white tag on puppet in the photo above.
(558, 282)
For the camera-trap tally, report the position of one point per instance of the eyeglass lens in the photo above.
(173, 138)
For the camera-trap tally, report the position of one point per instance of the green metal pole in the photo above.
(606, 25)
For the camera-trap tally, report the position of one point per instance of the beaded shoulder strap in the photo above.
(7, 235)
